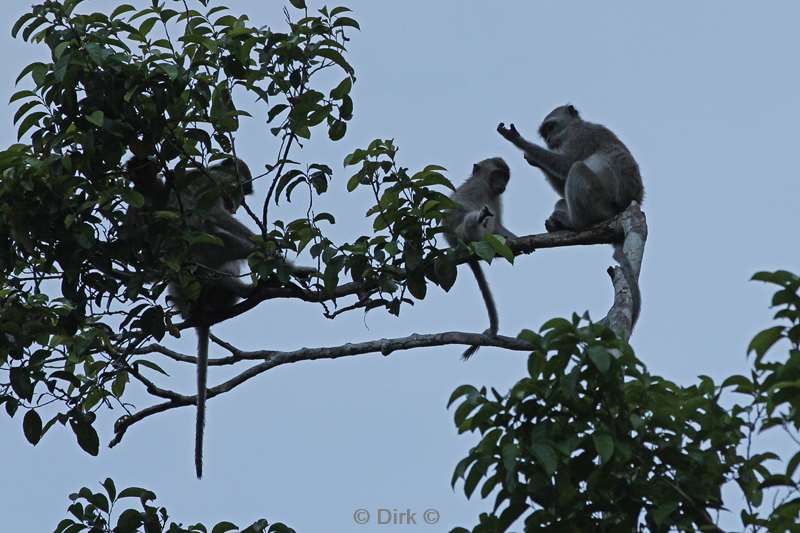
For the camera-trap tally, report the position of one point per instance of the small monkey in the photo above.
(207, 199)
(593, 172)
(480, 213)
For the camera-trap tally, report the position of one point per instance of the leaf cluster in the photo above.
(84, 261)
(101, 512)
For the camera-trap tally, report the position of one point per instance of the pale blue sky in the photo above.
(707, 97)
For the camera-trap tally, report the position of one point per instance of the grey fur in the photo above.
(219, 265)
(590, 168)
(480, 213)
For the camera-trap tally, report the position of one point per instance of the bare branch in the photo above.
(271, 359)
(634, 227)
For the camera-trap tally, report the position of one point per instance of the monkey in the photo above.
(480, 213)
(220, 285)
(592, 171)
(207, 197)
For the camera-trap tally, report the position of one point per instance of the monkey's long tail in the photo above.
(202, 379)
(486, 292)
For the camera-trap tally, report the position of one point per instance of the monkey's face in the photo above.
(498, 180)
(555, 123)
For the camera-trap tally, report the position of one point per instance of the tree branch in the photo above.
(271, 358)
(607, 232)
(633, 223)
(629, 229)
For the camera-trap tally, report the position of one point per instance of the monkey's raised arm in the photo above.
(556, 165)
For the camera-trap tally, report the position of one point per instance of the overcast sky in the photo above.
(707, 97)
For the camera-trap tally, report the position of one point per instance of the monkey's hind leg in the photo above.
(587, 193)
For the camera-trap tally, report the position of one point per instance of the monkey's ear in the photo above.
(475, 168)
(572, 111)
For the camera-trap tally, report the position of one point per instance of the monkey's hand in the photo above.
(510, 133)
(484, 215)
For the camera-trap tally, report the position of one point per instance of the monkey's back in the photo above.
(587, 138)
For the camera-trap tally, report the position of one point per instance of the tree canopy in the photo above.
(589, 439)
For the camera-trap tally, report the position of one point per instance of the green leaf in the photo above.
(461, 469)
(124, 8)
(275, 111)
(29, 122)
(223, 112)
(20, 95)
(24, 108)
(545, 457)
(96, 118)
(98, 500)
(604, 444)
(336, 57)
(462, 390)
(779, 277)
(343, 89)
(417, 285)
(327, 217)
(337, 130)
(484, 250)
(510, 453)
(742, 384)
(19, 23)
(499, 245)
(147, 25)
(136, 492)
(345, 21)
(87, 436)
(111, 489)
(118, 386)
(764, 340)
(32, 426)
(21, 382)
(224, 527)
(299, 4)
(600, 357)
(129, 521)
(446, 271)
(475, 474)
(151, 365)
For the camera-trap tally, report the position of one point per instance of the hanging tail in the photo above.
(202, 379)
(486, 292)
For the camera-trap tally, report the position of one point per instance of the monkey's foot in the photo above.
(554, 224)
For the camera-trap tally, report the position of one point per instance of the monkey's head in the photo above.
(236, 179)
(237, 168)
(496, 173)
(558, 120)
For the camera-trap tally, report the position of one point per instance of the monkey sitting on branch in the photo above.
(207, 198)
(592, 171)
(479, 214)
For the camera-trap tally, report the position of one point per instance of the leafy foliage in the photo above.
(84, 257)
(590, 440)
(99, 512)
(774, 390)
(83, 261)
